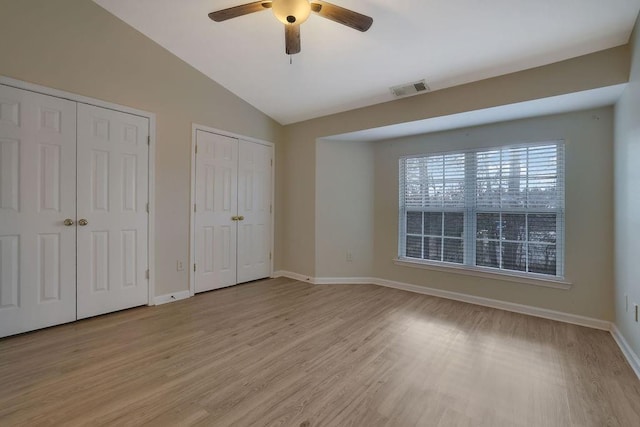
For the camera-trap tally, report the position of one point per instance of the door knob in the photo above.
(83, 222)
(68, 222)
(234, 218)
(240, 218)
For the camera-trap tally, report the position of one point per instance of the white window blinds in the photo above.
(497, 208)
(435, 181)
(521, 178)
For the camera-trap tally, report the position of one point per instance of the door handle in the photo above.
(68, 222)
(234, 218)
(240, 218)
(83, 222)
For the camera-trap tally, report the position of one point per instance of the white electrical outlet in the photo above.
(349, 256)
(179, 266)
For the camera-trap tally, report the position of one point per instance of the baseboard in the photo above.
(628, 352)
(292, 275)
(344, 280)
(502, 305)
(471, 299)
(172, 297)
(324, 280)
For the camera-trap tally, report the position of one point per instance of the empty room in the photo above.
(307, 213)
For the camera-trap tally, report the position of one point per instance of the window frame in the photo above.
(471, 212)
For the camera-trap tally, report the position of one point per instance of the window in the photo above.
(499, 208)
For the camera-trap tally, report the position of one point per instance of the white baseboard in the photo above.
(628, 352)
(175, 296)
(324, 280)
(471, 299)
(292, 275)
(502, 305)
(344, 280)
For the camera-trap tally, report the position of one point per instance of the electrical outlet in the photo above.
(349, 256)
(179, 266)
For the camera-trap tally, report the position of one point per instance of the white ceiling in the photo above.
(446, 42)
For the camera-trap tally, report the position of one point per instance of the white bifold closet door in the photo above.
(37, 195)
(112, 210)
(216, 208)
(73, 210)
(233, 211)
(254, 207)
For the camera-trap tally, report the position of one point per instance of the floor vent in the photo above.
(409, 89)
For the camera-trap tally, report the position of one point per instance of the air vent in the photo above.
(409, 89)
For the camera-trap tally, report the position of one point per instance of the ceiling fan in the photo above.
(292, 13)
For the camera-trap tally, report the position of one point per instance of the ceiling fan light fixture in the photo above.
(291, 11)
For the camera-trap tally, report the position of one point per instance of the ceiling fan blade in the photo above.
(292, 39)
(341, 15)
(234, 12)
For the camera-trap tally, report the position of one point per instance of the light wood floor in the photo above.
(281, 352)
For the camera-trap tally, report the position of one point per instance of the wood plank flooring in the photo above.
(281, 352)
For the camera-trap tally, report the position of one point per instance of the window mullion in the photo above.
(526, 216)
(526, 239)
(402, 228)
(422, 234)
(442, 237)
(444, 185)
(470, 174)
(560, 243)
(500, 227)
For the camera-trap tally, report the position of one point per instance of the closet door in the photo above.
(216, 211)
(113, 162)
(254, 210)
(37, 196)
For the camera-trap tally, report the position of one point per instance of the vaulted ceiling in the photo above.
(445, 42)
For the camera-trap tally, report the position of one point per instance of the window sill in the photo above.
(556, 283)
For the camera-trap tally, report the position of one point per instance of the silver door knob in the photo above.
(83, 222)
(68, 222)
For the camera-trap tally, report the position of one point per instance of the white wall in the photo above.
(344, 208)
(627, 201)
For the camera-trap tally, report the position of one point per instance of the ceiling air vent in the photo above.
(409, 89)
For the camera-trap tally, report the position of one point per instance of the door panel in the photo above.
(216, 205)
(37, 193)
(113, 156)
(254, 205)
